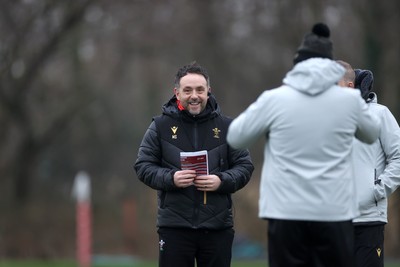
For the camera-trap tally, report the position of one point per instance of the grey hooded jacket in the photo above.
(309, 124)
(377, 167)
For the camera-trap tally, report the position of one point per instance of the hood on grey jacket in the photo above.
(314, 76)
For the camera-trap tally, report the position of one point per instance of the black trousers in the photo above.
(182, 247)
(310, 244)
(368, 245)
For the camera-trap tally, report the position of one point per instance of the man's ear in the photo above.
(350, 84)
(176, 91)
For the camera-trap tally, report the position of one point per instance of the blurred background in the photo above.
(80, 81)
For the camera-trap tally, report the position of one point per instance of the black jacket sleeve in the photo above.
(238, 173)
(148, 164)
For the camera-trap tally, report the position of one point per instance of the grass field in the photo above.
(25, 263)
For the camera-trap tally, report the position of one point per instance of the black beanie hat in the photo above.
(364, 81)
(315, 44)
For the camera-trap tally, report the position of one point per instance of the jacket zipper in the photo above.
(197, 200)
(376, 181)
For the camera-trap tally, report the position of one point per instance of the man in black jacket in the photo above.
(194, 221)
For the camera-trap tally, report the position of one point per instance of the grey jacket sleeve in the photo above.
(390, 142)
(368, 127)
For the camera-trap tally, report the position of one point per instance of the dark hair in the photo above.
(364, 82)
(191, 68)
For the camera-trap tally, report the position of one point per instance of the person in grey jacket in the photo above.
(307, 182)
(377, 172)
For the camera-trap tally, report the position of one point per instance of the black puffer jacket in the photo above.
(159, 158)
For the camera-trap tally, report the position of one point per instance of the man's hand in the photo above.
(207, 182)
(184, 178)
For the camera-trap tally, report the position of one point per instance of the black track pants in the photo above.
(181, 247)
(368, 245)
(310, 244)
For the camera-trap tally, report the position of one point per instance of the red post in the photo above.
(84, 246)
(81, 191)
(129, 226)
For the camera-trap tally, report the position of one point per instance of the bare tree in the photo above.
(80, 81)
(33, 35)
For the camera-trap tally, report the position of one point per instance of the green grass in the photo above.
(32, 263)
(36, 263)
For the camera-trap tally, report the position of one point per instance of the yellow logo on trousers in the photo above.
(378, 251)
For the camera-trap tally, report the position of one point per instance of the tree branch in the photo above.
(74, 16)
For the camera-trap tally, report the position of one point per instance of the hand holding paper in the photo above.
(184, 178)
(197, 161)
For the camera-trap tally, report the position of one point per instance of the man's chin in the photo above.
(194, 112)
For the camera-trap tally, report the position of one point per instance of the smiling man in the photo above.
(195, 221)
(192, 92)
